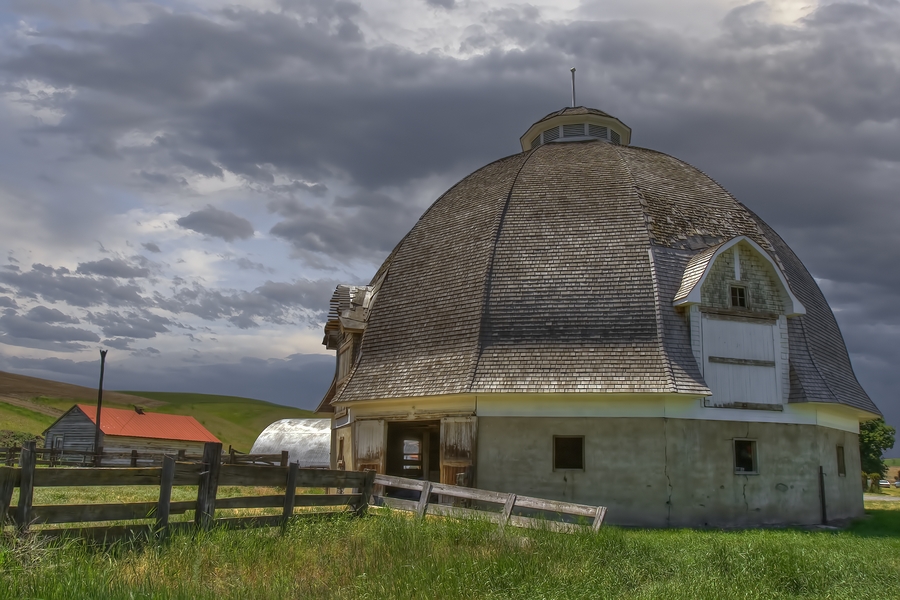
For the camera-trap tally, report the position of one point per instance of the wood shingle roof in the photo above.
(554, 270)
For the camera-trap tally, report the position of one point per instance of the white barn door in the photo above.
(458, 435)
(740, 361)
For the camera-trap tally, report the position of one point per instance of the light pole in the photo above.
(99, 406)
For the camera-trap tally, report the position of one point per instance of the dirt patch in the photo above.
(33, 406)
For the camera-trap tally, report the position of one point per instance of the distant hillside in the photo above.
(30, 405)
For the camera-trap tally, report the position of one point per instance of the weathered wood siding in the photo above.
(77, 431)
(458, 435)
(369, 440)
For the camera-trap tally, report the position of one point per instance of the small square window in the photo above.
(745, 457)
(738, 296)
(841, 465)
(568, 453)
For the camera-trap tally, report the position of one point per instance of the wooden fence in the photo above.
(207, 475)
(53, 457)
(501, 508)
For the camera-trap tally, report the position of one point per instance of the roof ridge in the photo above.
(489, 270)
(654, 277)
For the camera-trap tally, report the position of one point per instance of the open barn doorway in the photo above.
(413, 450)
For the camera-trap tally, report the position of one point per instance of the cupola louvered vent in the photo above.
(614, 137)
(551, 134)
(575, 130)
(598, 131)
(536, 141)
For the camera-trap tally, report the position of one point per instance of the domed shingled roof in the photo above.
(554, 271)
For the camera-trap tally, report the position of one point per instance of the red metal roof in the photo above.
(116, 421)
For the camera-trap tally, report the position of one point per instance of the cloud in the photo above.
(26, 328)
(59, 285)
(214, 222)
(130, 324)
(279, 303)
(360, 225)
(42, 314)
(108, 267)
(151, 247)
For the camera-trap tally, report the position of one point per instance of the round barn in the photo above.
(599, 323)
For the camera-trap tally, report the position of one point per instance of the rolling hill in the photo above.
(30, 404)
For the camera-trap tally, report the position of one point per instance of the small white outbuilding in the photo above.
(308, 441)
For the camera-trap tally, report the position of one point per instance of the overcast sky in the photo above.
(185, 184)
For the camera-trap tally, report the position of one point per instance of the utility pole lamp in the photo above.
(99, 406)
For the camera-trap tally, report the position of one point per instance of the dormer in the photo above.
(576, 124)
(737, 301)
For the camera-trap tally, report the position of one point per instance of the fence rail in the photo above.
(53, 457)
(499, 507)
(207, 475)
(209, 472)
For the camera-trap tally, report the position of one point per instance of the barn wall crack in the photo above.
(666, 470)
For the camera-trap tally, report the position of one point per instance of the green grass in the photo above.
(387, 555)
(17, 418)
(892, 462)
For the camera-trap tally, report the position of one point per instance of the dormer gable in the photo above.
(737, 274)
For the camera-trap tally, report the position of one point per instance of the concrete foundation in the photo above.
(662, 472)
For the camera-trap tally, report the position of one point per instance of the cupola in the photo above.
(576, 123)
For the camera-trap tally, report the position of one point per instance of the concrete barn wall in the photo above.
(659, 472)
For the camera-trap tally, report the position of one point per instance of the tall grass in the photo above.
(387, 555)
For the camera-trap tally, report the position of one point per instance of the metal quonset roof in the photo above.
(308, 441)
(554, 270)
(130, 423)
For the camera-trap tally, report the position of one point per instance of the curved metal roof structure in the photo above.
(308, 441)
(555, 270)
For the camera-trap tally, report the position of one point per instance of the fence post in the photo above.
(508, 507)
(167, 477)
(134, 457)
(290, 493)
(98, 458)
(366, 493)
(598, 520)
(27, 461)
(7, 485)
(231, 455)
(209, 484)
(284, 458)
(423, 499)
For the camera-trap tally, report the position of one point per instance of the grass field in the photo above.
(892, 462)
(387, 555)
(31, 405)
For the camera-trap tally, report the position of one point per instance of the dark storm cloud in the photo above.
(108, 267)
(151, 247)
(60, 285)
(7, 302)
(218, 223)
(360, 225)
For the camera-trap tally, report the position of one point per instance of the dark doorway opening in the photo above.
(413, 450)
